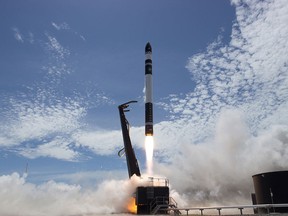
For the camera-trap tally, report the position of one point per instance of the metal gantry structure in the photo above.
(132, 163)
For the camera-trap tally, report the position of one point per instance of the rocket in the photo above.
(148, 91)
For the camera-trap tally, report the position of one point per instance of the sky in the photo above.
(220, 77)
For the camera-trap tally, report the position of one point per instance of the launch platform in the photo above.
(154, 197)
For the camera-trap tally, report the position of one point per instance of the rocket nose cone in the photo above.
(148, 47)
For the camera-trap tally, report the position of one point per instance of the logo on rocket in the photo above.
(148, 91)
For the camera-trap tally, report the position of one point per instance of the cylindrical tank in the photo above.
(271, 188)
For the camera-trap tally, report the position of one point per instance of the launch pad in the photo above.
(153, 198)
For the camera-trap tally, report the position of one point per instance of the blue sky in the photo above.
(220, 92)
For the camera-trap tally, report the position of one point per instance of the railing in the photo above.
(240, 208)
(159, 203)
(156, 181)
(163, 204)
(172, 202)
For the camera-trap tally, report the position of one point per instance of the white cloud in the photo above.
(61, 26)
(99, 141)
(250, 73)
(56, 48)
(82, 37)
(65, 26)
(58, 148)
(31, 38)
(21, 37)
(49, 127)
(35, 120)
(18, 36)
(42, 122)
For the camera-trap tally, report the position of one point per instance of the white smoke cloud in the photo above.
(220, 170)
(19, 197)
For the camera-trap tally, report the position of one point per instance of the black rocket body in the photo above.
(148, 91)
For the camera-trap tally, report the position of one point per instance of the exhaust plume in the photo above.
(149, 148)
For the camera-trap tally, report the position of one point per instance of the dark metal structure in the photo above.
(132, 162)
(153, 198)
(271, 188)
